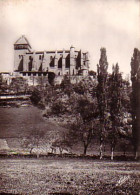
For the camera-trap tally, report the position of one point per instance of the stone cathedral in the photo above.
(70, 62)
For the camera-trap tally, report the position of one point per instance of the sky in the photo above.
(85, 24)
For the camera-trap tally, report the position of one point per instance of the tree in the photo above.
(3, 85)
(35, 97)
(80, 131)
(33, 140)
(58, 107)
(124, 143)
(102, 96)
(66, 86)
(115, 90)
(135, 100)
(62, 143)
(19, 84)
(85, 125)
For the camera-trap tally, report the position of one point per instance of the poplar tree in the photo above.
(102, 96)
(115, 83)
(135, 100)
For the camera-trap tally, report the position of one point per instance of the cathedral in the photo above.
(28, 62)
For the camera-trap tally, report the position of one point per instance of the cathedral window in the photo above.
(60, 63)
(40, 57)
(68, 61)
(51, 61)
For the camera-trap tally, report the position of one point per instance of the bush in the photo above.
(35, 97)
(58, 107)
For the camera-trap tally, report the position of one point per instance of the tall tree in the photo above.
(115, 91)
(102, 95)
(135, 100)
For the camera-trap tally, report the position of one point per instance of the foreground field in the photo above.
(68, 176)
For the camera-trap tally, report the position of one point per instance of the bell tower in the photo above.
(21, 47)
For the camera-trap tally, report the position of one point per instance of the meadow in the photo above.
(69, 176)
(54, 175)
(17, 123)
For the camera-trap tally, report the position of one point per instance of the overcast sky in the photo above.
(85, 24)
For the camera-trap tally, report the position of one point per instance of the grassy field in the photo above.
(73, 176)
(17, 123)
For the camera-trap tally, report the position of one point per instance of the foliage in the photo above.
(18, 84)
(66, 86)
(135, 99)
(35, 97)
(99, 106)
(88, 110)
(85, 126)
(33, 140)
(115, 86)
(124, 144)
(62, 143)
(58, 107)
(102, 94)
(80, 88)
(3, 85)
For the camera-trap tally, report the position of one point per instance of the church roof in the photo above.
(22, 40)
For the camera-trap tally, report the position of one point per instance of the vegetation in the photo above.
(19, 85)
(69, 176)
(101, 107)
(115, 104)
(32, 140)
(135, 100)
(102, 76)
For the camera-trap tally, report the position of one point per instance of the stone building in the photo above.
(39, 63)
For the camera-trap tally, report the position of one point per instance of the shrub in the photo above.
(35, 97)
(58, 107)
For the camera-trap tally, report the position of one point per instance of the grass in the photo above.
(19, 122)
(73, 176)
(58, 175)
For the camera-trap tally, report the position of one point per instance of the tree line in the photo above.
(105, 106)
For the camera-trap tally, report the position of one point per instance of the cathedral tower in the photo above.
(21, 46)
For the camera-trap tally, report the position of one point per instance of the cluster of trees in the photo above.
(17, 85)
(106, 108)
